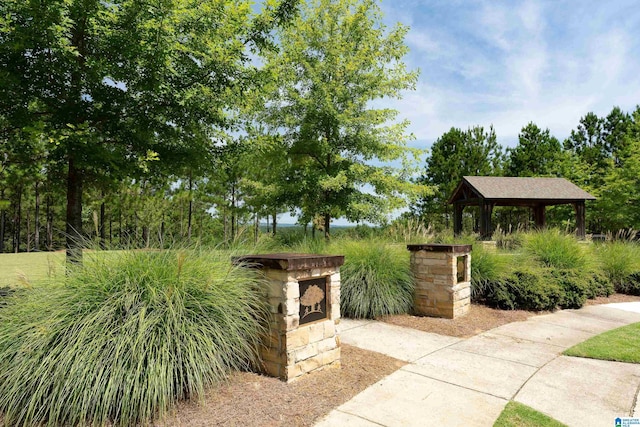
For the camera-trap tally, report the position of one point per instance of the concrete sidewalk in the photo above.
(467, 382)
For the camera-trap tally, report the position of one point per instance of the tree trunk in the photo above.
(49, 203)
(162, 226)
(190, 208)
(17, 220)
(224, 224)
(233, 211)
(2, 223)
(74, 213)
(327, 224)
(103, 237)
(36, 232)
(28, 235)
(145, 236)
(256, 231)
(275, 223)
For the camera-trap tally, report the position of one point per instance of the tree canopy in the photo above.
(336, 60)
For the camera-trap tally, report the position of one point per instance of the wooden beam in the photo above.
(539, 215)
(580, 227)
(457, 219)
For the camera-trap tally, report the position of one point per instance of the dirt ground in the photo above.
(249, 399)
(479, 319)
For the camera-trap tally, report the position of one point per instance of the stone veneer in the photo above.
(439, 292)
(291, 350)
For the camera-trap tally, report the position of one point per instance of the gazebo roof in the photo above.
(547, 190)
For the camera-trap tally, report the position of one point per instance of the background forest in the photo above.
(139, 126)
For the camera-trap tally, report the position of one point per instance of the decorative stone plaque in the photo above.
(313, 300)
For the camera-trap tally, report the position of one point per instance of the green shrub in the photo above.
(599, 285)
(631, 285)
(620, 261)
(575, 287)
(376, 279)
(525, 290)
(125, 336)
(555, 249)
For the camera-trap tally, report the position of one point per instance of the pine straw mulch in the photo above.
(482, 318)
(249, 399)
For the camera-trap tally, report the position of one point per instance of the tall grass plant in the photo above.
(376, 279)
(125, 336)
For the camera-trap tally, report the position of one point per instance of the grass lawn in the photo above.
(621, 345)
(33, 266)
(518, 415)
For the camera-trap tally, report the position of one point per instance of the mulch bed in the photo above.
(249, 399)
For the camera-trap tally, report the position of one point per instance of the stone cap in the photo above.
(434, 247)
(291, 261)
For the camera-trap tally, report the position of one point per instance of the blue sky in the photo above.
(508, 63)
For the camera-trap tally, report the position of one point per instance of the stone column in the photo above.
(303, 335)
(442, 275)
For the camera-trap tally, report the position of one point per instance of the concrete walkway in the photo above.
(467, 382)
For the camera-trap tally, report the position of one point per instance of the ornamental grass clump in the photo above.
(555, 249)
(376, 279)
(620, 261)
(122, 338)
(488, 268)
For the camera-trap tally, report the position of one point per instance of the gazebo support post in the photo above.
(486, 209)
(580, 227)
(539, 215)
(457, 219)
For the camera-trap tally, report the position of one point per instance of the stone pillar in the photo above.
(442, 275)
(303, 294)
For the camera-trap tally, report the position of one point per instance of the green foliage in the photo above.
(335, 59)
(518, 415)
(487, 268)
(537, 153)
(455, 154)
(620, 261)
(125, 337)
(555, 249)
(508, 241)
(530, 290)
(621, 345)
(375, 279)
(575, 287)
(409, 230)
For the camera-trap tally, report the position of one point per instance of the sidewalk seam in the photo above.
(498, 358)
(455, 385)
(531, 376)
(358, 416)
(634, 402)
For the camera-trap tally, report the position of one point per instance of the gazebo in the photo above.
(535, 193)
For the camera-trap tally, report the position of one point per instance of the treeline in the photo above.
(136, 124)
(601, 155)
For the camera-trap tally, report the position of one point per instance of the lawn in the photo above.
(32, 266)
(621, 345)
(518, 415)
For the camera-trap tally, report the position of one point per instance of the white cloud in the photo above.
(509, 63)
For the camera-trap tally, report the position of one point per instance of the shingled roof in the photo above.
(511, 188)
